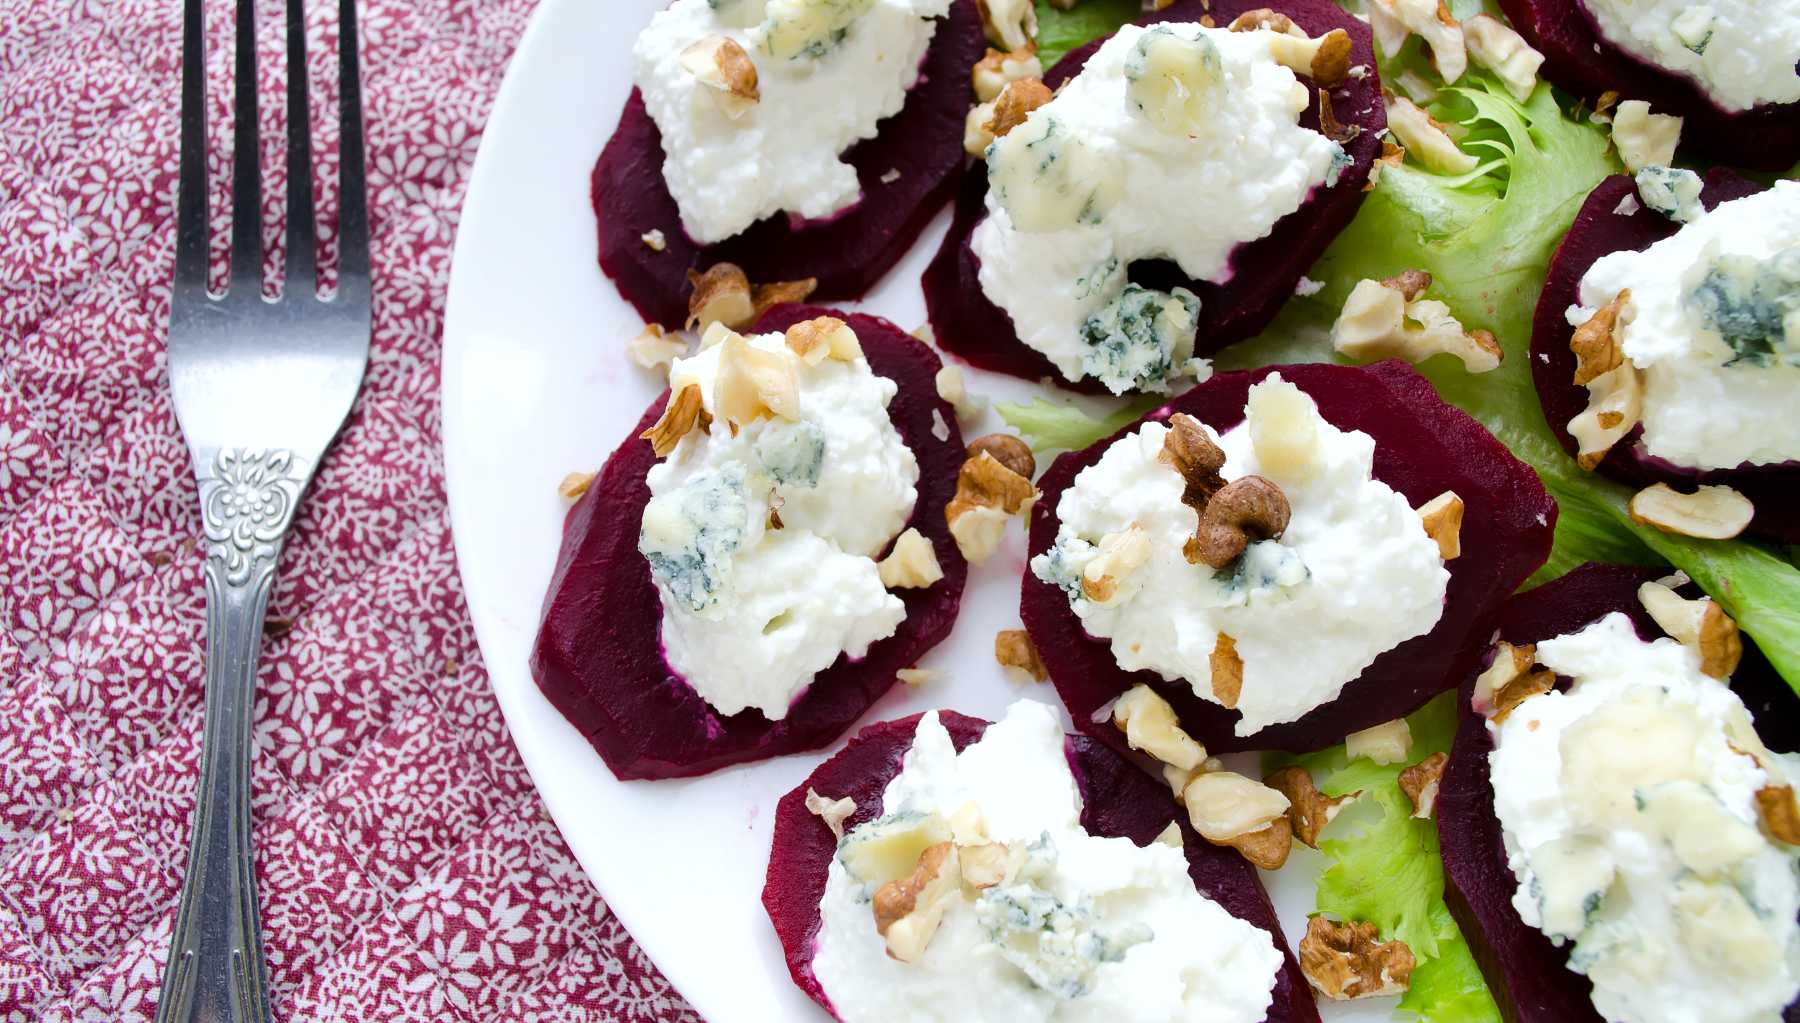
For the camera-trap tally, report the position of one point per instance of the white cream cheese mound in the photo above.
(827, 71)
(1081, 928)
(1740, 53)
(1354, 576)
(1631, 823)
(1714, 324)
(1174, 142)
(751, 613)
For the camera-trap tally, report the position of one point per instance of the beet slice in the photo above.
(1597, 231)
(1528, 975)
(598, 656)
(967, 324)
(1423, 447)
(1578, 58)
(848, 253)
(1118, 800)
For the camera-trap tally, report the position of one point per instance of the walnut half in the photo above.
(1349, 960)
(990, 490)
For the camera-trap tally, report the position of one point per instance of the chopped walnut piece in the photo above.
(1420, 133)
(954, 389)
(1118, 556)
(1227, 672)
(1150, 726)
(1267, 847)
(1309, 810)
(1009, 24)
(987, 864)
(1509, 663)
(993, 72)
(1191, 452)
(1387, 743)
(653, 347)
(1284, 430)
(1700, 625)
(1264, 18)
(1014, 104)
(1008, 450)
(720, 295)
(720, 63)
(1379, 321)
(1780, 814)
(654, 240)
(765, 297)
(912, 563)
(1508, 698)
(1596, 342)
(988, 494)
(1420, 783)
(1642, 138)
(1325, 59)
(1409, 283)
(1443, 516)
(753, 382)
(834, 812)
(1603, 107)
(1223, 805)
(683, 412)
(1013, 649)
(1248, 508)
(1348, 960)
(1152, 6)
(1709, 513)
(1615, 406)
(916, 676)
(1498, 48)
(1330, 126)
(1393, 20)
(575, 484)
(823, 337)
(908, 911)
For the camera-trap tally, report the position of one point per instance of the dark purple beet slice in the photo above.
(1581, 60)
(598, 656)
(1597, 231)
(1265, 271)
(1423, 447)
(1528, 975)
(1118, 800)
(849, 253)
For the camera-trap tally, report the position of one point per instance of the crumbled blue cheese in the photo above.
(828, 71)
(1671, 191)
(752, 612)
(1141, 338)
(1628, 811)
(1355, 572)
(1081, 928)
(1739, 52)
(1714, 325)
(1107, 173)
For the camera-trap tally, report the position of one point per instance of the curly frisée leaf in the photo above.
(1385, 869)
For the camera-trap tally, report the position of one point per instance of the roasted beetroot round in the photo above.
(906, 171)
(1118, 800)
(1423, 447)
(1600, 229)
(1581, 60)
(598, 656)
(1264, 271)
(1529, 976)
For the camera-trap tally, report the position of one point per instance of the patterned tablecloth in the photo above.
(407, 868)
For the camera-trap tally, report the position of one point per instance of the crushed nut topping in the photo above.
(753, 382)
(1222, 805)
(986, 864)
(908, 911)
(720, 63)
(1443, 517)
(1266, 848)
(1014, 649)
(765, 297)
(1264, 18)
(1700, 625)
(1387, 743)
(1227, 671)
(1118, 555)
(1009, 24)
(720, 295)
(1780, 814)
(1421, 133)
(575, 484)
(823, 337)
(1642, 138)
(989, 492)
(1498, 48)
(917, 676)
(1420, 783)
(1615, 406)
(1325, 59)
(1380, 321)
(1596, 342)
(653, 347)
(1509, 663)
(993, 72)
(912, 562)
(1330, 126)
(1014, 104)
(1309, 810)
(654, 240)
(1349, 960)
(1409, 283)
(1008, 450)
(1710, 512)
(952, 388)
(1509, 697)
(834, 812)
(1393, 20)
(1150, 726)
(683, 413)
(1190, 450)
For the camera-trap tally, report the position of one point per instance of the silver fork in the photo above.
(261, 387)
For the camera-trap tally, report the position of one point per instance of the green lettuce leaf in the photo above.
(1388, 871)
(1062, 31)
(1050, 426)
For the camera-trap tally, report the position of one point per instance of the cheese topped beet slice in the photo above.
(1118, 800)
(1264, 271)
(1423, 447)
(1528, 975)
(1580, 59)
(598, 656)
(1600, 228)
(906, 172)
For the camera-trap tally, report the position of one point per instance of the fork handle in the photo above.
(215, 972)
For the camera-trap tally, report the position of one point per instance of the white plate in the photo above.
(537, 384)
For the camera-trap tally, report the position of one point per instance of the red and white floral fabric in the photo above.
(406, 866)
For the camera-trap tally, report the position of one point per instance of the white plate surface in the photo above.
(536, 384)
